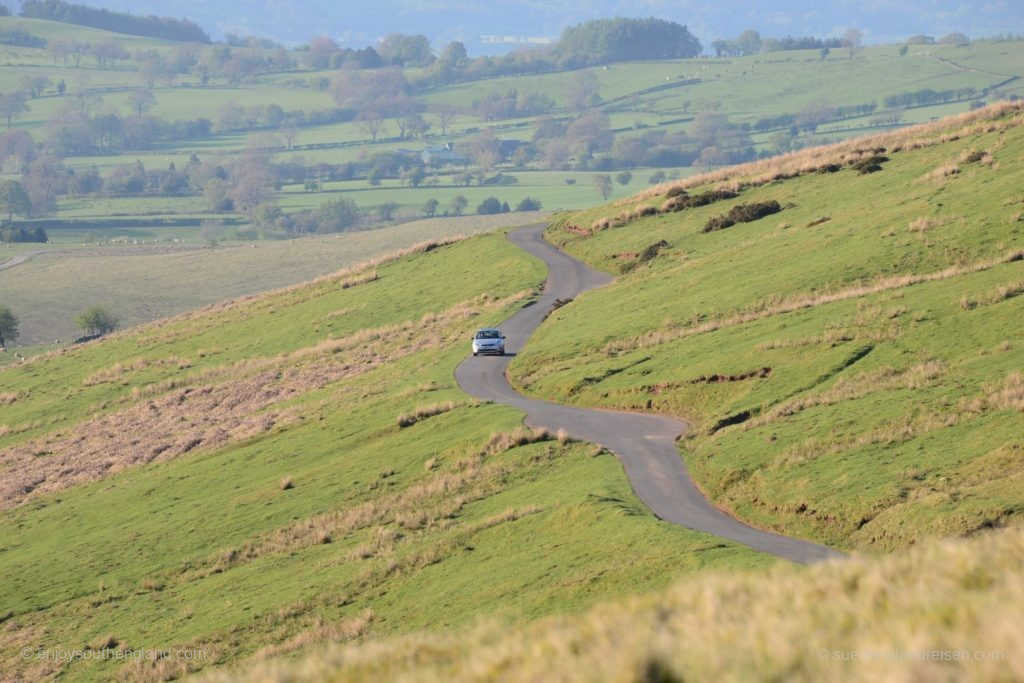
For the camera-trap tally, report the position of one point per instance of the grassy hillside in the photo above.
(852, 364)
(944, 612)
(294, 468)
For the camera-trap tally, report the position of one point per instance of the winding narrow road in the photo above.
(644, 444)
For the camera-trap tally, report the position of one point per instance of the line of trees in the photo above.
(594, 42)
(19, 38)
(928, 96)
(166, 28)
(950, 39)
(749, 42)
(16, 234)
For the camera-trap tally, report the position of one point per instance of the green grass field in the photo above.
(258, 478)
(266, 498)
(549, 187)
(851, 366)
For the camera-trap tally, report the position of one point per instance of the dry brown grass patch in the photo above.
(423, 412)
(1007, 395)
(922, 224)
(167, 664)
(321, 632)
(120, 370)
(942, 173)
(499, 442)
(832, 338)
(357, 279)
(183, 414)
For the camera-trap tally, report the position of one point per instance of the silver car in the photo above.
(489, 340)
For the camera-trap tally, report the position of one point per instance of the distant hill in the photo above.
(165, 28)
(468, 21)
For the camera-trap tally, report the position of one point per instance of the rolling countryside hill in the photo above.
(278, 471)
(852, 367)
(851, 362)
(811, 267)
(260, 478)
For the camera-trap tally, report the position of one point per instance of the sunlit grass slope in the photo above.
(852, 364)
(298, 467)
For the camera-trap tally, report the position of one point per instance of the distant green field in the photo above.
(851, 366)
(149, 273)
(549, 187)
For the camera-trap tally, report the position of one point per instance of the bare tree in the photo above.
(445, 115)
(35, 85)
(404, 110)
(320, 50)
(484, 149)
(141, 101)
(12, 104)
(852, 40)
(603, 185)
(291, 136)
(372, 120)
(584, 93)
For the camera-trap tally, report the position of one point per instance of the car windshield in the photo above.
(488, 334)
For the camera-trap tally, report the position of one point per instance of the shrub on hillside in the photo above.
(742, 213)
(718, 223)
(869, 164)
(98, 321)
(649, 253)
(690, 201)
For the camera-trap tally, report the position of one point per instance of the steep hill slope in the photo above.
(298, 467)
(851, 365)
(851, 361)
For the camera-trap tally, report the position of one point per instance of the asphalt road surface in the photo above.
(644, 444)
